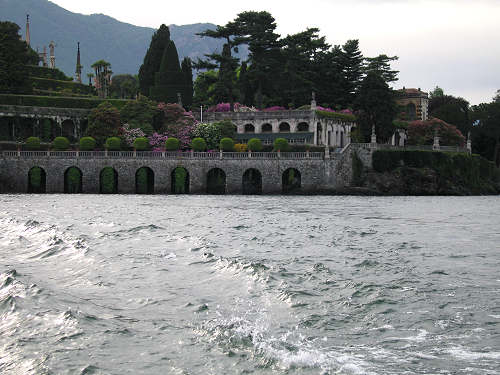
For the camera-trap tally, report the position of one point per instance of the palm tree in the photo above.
(103, 77)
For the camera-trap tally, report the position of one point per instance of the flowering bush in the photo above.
(226, 107)
(157, 141)
(422, 133)
(129, 135)
(177, 123)
(274, 109)
(240, 147)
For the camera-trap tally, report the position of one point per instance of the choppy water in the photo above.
(249, 285)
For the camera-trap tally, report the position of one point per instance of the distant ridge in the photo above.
(100, 36)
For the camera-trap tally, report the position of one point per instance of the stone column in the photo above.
(469, 143)
(436, 146)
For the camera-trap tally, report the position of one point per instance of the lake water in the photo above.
(249, 285)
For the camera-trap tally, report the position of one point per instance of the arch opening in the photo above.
(284, 127)
(411, 111)
(73, 181)
(68, 130)
(267, 128)
(144, 181)
(252, 182)
(291, 181)
(180, 181)
(108, 181)
(37, 179)
(216, 181)
(249, 128)
(303, 127)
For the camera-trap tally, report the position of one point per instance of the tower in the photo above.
(78, 66)
(28, 29)
(52, 46)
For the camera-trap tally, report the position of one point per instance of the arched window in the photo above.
(249, 128)
(284, 127)
(411, 111)
(267, 128)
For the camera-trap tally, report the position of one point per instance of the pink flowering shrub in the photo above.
(129, 135)
(274, 109)
(422, 133)
(177, 123)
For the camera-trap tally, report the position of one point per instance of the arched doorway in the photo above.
(68, 130)
(216, 181)
(303, 127)
(73, 181)
(291, 181)
(267, 128)
(411, 111)
(180, 181)
(249, 128)
(144, 181)
(108, 181)
(284, 127)
(252, 182)
(37, 180)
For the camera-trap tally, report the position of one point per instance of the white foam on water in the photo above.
(462, 353)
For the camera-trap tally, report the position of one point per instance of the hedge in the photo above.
(226, 144)
(73, 181)
(281, 144)
(48, 73)
(58, 102)
(108, 181)
(334, 115)
(198, 144)
(113, 144)
(141, 143)
(33, 143)
(255, 145)
(172, 144)
(60, 143)
(472, 169)
(87, 144)
(61, 86)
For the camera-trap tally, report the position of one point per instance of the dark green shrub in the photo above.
(60, 143)
(172, 144)
(87, 144)
(198, 144)
(33, 143)
(227, 144)
(255, 145)
(113, 143)
(281, 144)
(58, 102)
(47, 129)
(144, 181)
(141, 143)
(36, 180)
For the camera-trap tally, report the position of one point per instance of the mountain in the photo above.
(100, 36)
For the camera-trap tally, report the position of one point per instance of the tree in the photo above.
(124, 86)
(451, 109)
(436, 93)
(204, 88)
(103, 73)
(187, 72)
(104, 122)
(423, 132)
(257, 30)
(14, 55)
(496, 98)
(487, 130)
(152, 59)
(376, 107)
(143, 114)
(382, 66)
(351, 63)
(244, 87)
(169, 80)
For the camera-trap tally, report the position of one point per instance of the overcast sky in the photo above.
(454, 44)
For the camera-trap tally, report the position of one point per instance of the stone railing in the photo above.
(252, 116)
(160, 155)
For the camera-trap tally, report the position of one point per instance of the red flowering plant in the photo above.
(422, 133)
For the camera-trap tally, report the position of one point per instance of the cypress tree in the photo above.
(352, 68)
(244, 87)
(169, 80)
(152, 59)
(187, 71)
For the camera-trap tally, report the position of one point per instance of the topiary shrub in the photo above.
(33, 143)
(255, 145)
(172, 144)
(141, 143)
(113, 143)
(226, 144)
(60, 143)
(87, 144)
(281, 144)
(198, 144)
